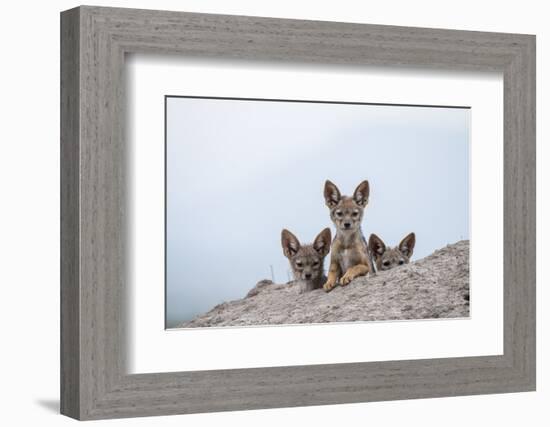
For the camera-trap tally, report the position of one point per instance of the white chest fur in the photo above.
(346, 260)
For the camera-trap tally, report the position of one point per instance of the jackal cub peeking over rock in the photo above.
(385, 257)
(349, 257)
(307, 261)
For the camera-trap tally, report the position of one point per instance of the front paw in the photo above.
(329, 286)
(346, 278)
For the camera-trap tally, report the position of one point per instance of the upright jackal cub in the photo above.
(349, 257)
(385, 257)
(307, 261)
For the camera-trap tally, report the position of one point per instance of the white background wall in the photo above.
(29, 222)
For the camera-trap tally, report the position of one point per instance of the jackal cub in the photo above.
(385, 257)
(349, 257)
(307, 261)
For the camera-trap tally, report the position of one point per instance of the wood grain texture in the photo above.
(94, 381)
(70, 221)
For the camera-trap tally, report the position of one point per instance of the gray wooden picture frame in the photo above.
(94, 382)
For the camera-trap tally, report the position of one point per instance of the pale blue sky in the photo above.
(240, 171)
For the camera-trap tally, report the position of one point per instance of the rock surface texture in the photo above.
(433, 287)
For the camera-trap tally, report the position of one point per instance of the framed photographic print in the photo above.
(262, 213)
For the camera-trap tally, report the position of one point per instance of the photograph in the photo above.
(279, 212)
(288, 212)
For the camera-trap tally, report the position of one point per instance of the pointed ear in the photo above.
(406, 246)
(322, 242)
(332, 194)
(361, 194)
(376, 245)
(290, 243)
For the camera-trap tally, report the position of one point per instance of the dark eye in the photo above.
(355, 214)
(298, 264)
(339, 214)
(386, 263)
(316, 264)
(401, 262)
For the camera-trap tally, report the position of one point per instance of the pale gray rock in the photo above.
(433, 287)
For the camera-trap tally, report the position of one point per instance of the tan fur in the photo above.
(349, 256)
(386, 258)
(307, 261)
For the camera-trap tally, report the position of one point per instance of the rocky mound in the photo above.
(433, 287)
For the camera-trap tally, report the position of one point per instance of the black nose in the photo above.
(308, 275)
(347, 225)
